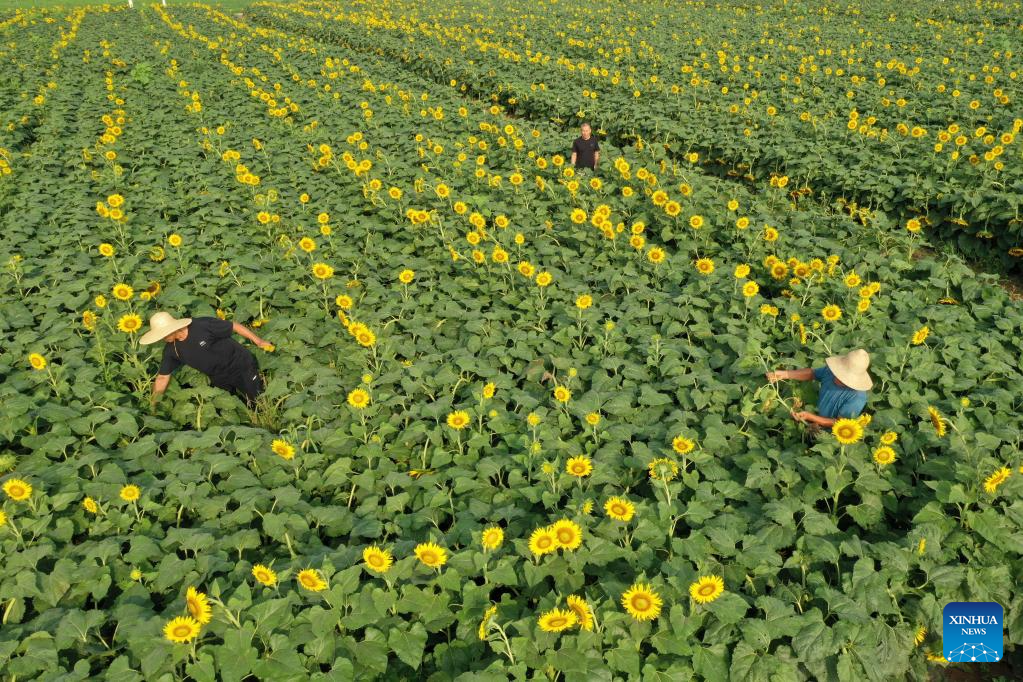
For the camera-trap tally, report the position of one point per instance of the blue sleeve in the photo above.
(821, 373)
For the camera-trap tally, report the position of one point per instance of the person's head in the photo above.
(586, 131)
(165, 327)
(179, 335)
(850, 370)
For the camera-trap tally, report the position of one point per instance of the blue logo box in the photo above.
(971, 632)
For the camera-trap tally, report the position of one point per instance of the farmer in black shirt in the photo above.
(585, 150)
(205, 343)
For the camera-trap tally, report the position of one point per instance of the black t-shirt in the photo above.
(585, 151)
(209, 348)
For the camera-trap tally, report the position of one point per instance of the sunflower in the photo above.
(544, 279)
(106, 250)
(526, 269)
(344, 302)
(431, 554)
(406, 276)
(750, 289)
(307, 244)
(122, 292)
(365, 337)
(889, 437)
(913, 225)
(89, 320)
(706, 589)
(377, 560)
(655, 255)
(323, 218)
(920, 335)
(198, 606)
(619, 509)
(129, 324)
(115, 200)
(17, 489)
(920, 636)
(578, 216)
(562, 394)
(557, 620)
(543, 541)
(358, 398)
(884, 455)
(492, 537)
(642, 602)
(310, 579)
(182, 629)
(90, 505)
(847, 431)
(696, 221)
(831, 313)
(174, 240)
(489, 389)
(705, 266)
(458, 420)
(580, 466)
(682, 445)
(490, 613)
(996, 479)
(37, 361)
(583, 302)
(130, 492)
(741, 271)
(852, 280)
(264, 575)
(283, 449)
(663, 468)
(593, 418)
(568, 533)
(322, 271)
(533, 419)
(779, 270)
(938, 421)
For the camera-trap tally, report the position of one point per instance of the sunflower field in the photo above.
(516, 423)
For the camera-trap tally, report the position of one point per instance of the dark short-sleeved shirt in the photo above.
(837, 401)
(585, 152)
(209, 348)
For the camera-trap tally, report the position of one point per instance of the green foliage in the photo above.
(831, 562)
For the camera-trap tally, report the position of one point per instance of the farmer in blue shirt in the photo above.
(844, 382)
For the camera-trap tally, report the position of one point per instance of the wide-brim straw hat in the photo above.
(161, 325)
(851, 369)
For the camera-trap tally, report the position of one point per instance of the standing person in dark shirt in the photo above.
(586, 149)
(205, 344)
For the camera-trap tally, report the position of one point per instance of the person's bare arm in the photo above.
(796, 374)
(159, 386)
(242, 330)
(596, 159)
(573, 158)
(811, 418)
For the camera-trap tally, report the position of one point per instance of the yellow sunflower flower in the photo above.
(557, 620)
(568, 533)
(579, 467)
(264, 575)
(377, 560)
(619, 509)
(706, 589)
(492, 538)
(311, 580)
(182, 629)
(198, 606)
(642, 602)
(431, 554)
(847, 431)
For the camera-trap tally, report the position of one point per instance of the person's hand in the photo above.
(266, 345)
(776, 376)
(803, 417)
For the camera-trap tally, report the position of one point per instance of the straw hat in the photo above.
(161, 325)
(851, 369)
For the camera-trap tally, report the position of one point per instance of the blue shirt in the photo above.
(837, 401)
